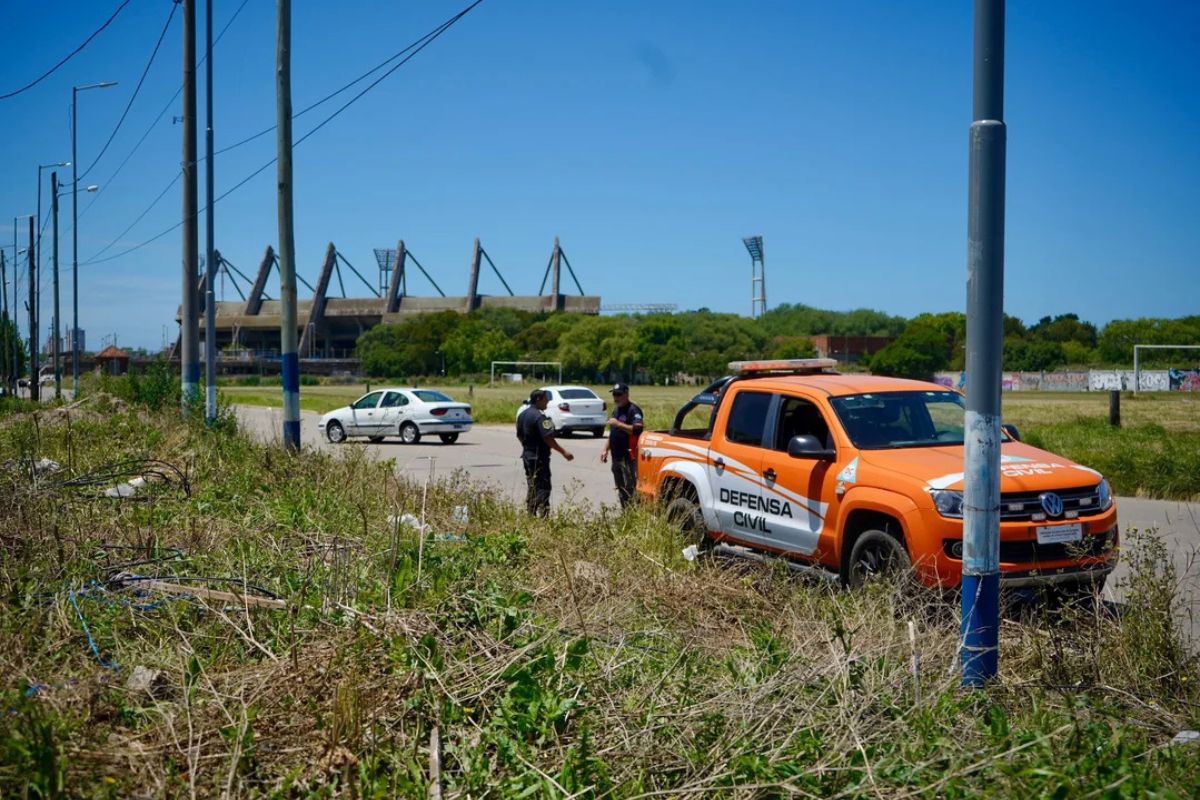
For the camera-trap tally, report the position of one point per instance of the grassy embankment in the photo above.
(1156, 453)
(571, 656)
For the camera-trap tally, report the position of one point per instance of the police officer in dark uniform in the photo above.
(536, 432)
(624, 429)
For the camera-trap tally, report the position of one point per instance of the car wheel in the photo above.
(684, 513)
(374, 439)
(409, 433)
(448, 438)
(597, 433)
(875, 555)
(335, 432)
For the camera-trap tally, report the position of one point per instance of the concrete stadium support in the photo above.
(329, 327)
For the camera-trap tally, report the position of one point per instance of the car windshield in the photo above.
(430, 396)
(578, 394)
(889, 420)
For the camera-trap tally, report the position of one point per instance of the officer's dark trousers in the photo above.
(537, 486)
(625, 476)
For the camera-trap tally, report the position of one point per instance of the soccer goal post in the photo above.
(1137, 361)
(492, 377)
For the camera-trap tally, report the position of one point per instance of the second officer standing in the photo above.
(536, 433)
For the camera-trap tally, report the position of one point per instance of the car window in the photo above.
(368, 400)
(578, 394)
(799, 417)
(902, 419)
(392, 399)
(430, 396)
(747, 418)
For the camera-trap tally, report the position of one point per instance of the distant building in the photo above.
(74, 334)
(112, 360)
(849, 349)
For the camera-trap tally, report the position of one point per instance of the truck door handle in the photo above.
(769, 474)
(719, 463)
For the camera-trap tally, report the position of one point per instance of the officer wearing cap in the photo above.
(625, 427)
(536, 433)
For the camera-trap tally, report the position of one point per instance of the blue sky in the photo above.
(649, 136)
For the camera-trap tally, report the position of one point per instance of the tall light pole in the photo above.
(16, 273)
(75, 90)
(985, 341)
(289, 358)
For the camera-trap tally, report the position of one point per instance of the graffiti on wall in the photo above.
(1184, 380)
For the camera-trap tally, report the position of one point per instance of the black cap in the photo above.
(620, 388)
(536, 395)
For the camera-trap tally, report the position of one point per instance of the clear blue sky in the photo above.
(650, 136)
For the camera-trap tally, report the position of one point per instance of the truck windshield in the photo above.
(889, 420)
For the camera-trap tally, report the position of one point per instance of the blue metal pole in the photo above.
(210, 301)
(985, 339)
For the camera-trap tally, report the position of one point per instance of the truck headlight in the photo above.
(948, 504)
(1104, 493)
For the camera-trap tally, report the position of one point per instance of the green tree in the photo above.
(791, 347)
(918, 353)
(10, 335)
(1023, 355)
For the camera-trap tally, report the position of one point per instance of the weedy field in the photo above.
(1155, 454)
(249, 623)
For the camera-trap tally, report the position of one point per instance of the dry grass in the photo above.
(576, 656)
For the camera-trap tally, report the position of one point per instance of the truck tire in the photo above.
(684, 513)
(875, 555)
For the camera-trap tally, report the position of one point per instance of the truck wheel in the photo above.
(684, 513)
(597, 433)
(876, 554)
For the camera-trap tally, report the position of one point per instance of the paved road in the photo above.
(490, 454)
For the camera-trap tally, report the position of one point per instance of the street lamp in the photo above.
(29, 306)
(75, 90)
(56, 336)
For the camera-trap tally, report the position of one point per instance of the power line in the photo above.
(419, 45)
(138, 89)
(69, 56)
(165, 108)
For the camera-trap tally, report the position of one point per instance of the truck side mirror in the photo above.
(807, 446)
(1012, 431)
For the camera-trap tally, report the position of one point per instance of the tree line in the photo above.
(699, 344)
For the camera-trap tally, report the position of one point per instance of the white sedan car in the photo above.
(407, 413)
(574, 408)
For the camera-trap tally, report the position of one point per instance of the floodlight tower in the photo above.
(758, 276)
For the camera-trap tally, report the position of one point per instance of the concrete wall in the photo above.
(1096, 380)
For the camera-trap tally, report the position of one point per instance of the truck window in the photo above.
(747, 418)
(799, 417)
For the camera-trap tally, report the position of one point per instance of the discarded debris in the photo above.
(408, 521)
(691, 552)
(145, 680)
(176, 586)
(125, 480)
(1186, 737)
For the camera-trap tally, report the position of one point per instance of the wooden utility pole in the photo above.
(190, 322)
(290, 361)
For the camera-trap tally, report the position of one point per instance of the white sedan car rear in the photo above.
(407, 413)
(574, 408)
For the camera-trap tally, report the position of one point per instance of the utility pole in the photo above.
(287, 235)
(31, 254)
(210, 303)
(190, 328)
(7, 377)
(54, 335)
(985, 339)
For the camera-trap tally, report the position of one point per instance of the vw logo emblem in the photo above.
(1052, 504)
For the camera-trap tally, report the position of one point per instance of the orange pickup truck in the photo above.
(856, 475)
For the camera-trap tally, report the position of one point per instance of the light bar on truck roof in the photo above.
(790, 366)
